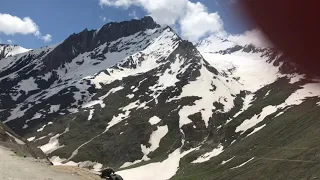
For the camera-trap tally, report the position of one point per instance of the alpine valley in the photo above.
(135, 96)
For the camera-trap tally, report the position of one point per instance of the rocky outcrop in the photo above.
(3, 53)
(17, 144)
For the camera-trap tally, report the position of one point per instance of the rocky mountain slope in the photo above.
(18, 145)
(273, 135)
(135, 96)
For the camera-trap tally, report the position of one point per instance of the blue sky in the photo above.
(60, 18)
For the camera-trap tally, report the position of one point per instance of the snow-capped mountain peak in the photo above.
(214, 43)
(7, 50)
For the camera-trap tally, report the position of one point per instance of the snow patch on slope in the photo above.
(226, 161)
(100, 99)
(42, 128)
(207, 156)
(155, 139)
(246, 104)
(28, 85)
(91, 114)
(249, 123)
(296, 98)
(256, 130)
(31, 139)
(156, 171)
(154, 120)
(54, 108)
(243, 164)
(16, 113)
(52, 145)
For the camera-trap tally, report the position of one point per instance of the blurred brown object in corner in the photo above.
(293, 26)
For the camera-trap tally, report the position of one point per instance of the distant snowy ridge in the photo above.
(11, 50)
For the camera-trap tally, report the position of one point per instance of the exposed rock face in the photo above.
(17, 144)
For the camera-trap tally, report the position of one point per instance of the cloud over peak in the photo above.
(12, 25)
(193, 19)
(46, 38)
(198, 22)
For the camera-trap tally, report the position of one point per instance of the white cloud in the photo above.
(104, 19)
(11, 25)
(216, 43)
(254, 36)
(133, 14)
(197, 22)
(165, 11)
(10, 41)
(117, 3)
(37, 33)
(46, 38)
